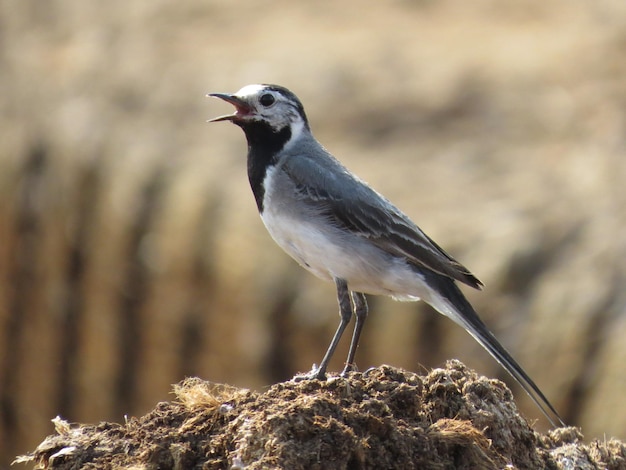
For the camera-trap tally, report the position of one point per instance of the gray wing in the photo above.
(351, 204)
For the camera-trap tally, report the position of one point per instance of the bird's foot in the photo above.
(316, 373)
(369, 371)
(351, 367)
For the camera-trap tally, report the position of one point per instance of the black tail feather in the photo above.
(467, 317)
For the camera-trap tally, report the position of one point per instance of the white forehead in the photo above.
(250, 90)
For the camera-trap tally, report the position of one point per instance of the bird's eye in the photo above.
(267, 100)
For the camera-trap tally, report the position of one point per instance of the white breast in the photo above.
(299, 239)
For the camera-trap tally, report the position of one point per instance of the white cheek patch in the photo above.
(297, 127)
(280, 115)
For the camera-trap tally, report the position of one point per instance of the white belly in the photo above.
(329, 254)
(307, 246)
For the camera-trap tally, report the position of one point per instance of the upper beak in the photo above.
(241, 107)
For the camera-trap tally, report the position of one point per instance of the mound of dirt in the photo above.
(382, 418)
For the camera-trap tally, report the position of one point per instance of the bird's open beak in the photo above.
(242, 108)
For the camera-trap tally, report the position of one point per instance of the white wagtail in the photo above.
(341, 230)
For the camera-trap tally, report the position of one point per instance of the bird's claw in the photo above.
(347, 369)
(315, 374)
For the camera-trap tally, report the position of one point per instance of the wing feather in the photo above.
(354, 206)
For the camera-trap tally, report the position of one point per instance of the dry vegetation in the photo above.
(383, 418)
(131, 254)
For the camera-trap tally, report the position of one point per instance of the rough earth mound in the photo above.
(382, 418)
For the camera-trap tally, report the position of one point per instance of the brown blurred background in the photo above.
(131, 252)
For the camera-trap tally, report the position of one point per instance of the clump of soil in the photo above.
(383, 418)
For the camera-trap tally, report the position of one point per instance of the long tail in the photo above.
(450, 301)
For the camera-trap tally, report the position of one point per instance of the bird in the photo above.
(340, 229)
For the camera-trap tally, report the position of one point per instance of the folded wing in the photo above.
(354, 206)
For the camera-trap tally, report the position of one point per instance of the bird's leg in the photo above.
(360, 311)
(345, 312)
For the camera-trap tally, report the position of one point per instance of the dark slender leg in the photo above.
(360, 310)
(345, 312)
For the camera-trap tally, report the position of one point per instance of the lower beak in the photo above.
(241, 107)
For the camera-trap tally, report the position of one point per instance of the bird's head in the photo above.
(271, 105)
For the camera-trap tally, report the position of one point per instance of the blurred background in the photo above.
(131, 251)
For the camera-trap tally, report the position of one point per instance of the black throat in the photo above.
(264, 144)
